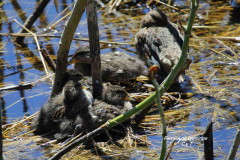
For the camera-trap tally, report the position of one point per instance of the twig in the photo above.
(228, 57)
(205, 27)
(83, 139)
(230, 49)
(196, 83)
(36, 40)
(13, 104)
(48, 59)
(115, 3)
(20, 122)
(61, 19)
(51, 24)
(21, 100)
(72, 140)
(31, 131)
(34, 83)
(19, 71)
(25, 85)
(170, 6)
(77, 39)
(171, 146)
(236, 39)
(44, 78)
(101, 3)
(17, 87)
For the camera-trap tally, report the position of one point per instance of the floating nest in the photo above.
(19, 139)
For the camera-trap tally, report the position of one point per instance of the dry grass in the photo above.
(214, 78)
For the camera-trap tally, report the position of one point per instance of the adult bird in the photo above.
(115, 67)
(159, 42)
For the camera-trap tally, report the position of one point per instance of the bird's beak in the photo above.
(152, 71)
(84, 87)
(128, 98)
(72, 61)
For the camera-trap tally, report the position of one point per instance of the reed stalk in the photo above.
(65, 43)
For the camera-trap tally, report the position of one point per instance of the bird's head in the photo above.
(154, 18)
(114, 94)
(73, 74)
(81, 55)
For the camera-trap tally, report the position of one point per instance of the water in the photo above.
(216, 86)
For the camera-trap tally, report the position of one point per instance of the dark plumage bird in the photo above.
(114, 102)
(62, 113)
(118, 67)
(73, 111)
(159, 42)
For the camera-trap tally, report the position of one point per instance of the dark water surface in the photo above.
(213, 78)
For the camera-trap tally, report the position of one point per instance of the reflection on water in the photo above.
(214, 75)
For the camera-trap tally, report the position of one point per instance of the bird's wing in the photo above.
(158, 46)
(105, 111)
(147, 46)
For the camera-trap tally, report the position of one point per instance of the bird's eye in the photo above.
(121, 93)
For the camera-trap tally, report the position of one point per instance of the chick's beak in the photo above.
(152, 71)
(84, 87)
(72, 61)
(128, 98)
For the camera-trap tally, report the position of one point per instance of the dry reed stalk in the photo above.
(171, 146)
(77, 39)
(114, 4)
(31, 131)
(227, 47)
(17, 87)
(235, 39)
(158, 1)
(53, 23)
(38, 46)
(196, 83)
(224, 55)
(22, 99)
(19, 122)
(13, 104)
(48, 59)
(69, 142)
(61, 19)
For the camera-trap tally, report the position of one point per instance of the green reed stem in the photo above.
(164, 127)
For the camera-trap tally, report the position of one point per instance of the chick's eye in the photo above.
(121, 93)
